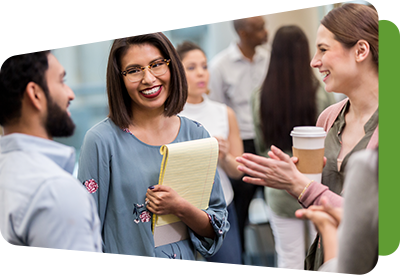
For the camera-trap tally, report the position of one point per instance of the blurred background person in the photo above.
(221, 123)
(234, 74)
(291, 95)
(350, 234)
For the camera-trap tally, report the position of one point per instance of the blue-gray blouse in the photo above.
(117, 168)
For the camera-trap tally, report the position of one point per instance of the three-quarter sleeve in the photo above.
(218, 216)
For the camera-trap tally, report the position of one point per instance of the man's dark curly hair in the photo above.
(23, 59)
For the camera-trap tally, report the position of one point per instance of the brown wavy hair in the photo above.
(351, 22)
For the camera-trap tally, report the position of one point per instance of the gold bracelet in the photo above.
(304, 190)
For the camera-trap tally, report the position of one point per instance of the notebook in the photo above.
(189, 168)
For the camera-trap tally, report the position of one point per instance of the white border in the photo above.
(390, 8)
(390, 266)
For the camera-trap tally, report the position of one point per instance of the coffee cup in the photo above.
(308, 147)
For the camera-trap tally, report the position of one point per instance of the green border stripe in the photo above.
(389, 138)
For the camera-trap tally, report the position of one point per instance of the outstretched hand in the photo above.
(323, 216)
(279, 171)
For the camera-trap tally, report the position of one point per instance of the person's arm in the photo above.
(207, 230)
(208, 227)
(280, 172)
(163, 200)
(94, 171)
(62, 215)
(231, 148)
(326, 225)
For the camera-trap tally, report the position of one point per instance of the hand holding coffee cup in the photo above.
(308, 147)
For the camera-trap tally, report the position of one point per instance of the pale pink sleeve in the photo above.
(314, 193)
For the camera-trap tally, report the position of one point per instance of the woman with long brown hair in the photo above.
(292, 84)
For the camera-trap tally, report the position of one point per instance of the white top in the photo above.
(233, 78)
(214, 118)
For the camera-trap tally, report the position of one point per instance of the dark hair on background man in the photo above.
(185, 47)
(288, 94)
(119, 100)
(241, 19)
(351, 22)
(15, 74)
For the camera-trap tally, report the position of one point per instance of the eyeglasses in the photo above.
(157, 68)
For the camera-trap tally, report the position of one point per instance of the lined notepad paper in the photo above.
(188, 168)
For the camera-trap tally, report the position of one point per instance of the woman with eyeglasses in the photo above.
(347, 59)
(120, 157)
(220, 121)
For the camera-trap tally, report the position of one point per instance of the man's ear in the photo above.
(36, 95)
(241, 33)
(362, 50)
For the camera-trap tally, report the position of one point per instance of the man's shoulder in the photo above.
(38, 168)
(38, 179)
(222, 57)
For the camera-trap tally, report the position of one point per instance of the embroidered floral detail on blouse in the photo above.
(172, 256)
(198, 124)
(216, 224)
(141, 213)
(126, 130)
(145, 216)
(91, 186)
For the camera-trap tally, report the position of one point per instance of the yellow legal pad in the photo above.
(188, 168)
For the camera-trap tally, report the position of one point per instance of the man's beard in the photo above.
(58, 122)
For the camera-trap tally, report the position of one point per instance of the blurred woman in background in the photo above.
(220, 121)
(291, 95)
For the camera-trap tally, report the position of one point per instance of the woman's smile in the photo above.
(151, 92)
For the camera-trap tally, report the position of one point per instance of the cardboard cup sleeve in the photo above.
(310, 161)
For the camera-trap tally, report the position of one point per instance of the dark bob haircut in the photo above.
(185, 47)
(119, 101)
(352, 22)
(15, 74)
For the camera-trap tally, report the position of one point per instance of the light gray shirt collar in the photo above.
(236, 53)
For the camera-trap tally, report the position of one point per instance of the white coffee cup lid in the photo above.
(308, 131)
